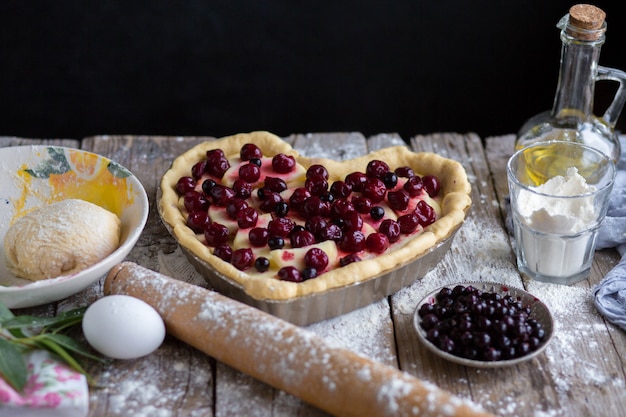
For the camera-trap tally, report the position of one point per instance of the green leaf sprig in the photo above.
(19, 334)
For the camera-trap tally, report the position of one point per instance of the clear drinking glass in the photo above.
(559, 197)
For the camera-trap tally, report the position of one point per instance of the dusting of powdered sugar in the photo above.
(367, 331)
(567, 304)
(479, 252)
(138, 388)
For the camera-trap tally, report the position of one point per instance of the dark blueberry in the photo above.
(426, 308)
(207, 185)
(429, 321)
(308, 273)
(275, 242)
(390, 179)
(262, 264)
(281, 209)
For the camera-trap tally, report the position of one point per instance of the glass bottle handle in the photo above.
(612, 112)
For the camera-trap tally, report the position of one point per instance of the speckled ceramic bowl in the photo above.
(539, 312)
(33, 176)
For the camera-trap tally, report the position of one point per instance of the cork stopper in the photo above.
(586, 22)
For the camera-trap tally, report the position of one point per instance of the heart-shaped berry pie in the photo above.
(283, 226)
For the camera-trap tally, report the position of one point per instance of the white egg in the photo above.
(123, 327)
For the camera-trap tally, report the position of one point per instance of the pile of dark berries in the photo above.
(486, 326)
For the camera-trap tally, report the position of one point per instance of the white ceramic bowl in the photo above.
(539, 312)
(33, 176)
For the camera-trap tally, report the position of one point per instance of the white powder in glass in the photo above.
(559, 215)
(556, 233)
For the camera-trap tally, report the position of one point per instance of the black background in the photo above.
(70, 69)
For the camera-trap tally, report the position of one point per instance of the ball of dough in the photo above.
(60, 239)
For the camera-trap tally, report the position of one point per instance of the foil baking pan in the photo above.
(330, 303)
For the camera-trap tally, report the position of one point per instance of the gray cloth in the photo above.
(610, 293)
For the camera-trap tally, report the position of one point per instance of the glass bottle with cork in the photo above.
(572, 117)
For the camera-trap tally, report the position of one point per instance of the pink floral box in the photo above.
(53, 389)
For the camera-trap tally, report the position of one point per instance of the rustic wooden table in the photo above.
(582, 372)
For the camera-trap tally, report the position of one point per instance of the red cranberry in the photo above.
(195, 201)
(250, 151)
(268, 205)
(224, 252)
(352, 241)
(198, 221)
(391, 229)
(234, 206)
(405, 171)
(315, 225)
(340, 189)
(425, 213)
(362, 204)
(376, 169)
(216, 234)
(221, 195)
(317, 170)
(377, 242)
(242, 189)
(432, 185)
(374, 189)
(414, 186)
(398, 200)
(249, 173)
(289, 273)
(198, 169)
(262, 264)
(356, 180)
(185, 184)
(217, 164)
(297, 199)
(214, 153)
(317, 185)
(301, 239)
(314, 206)
(242, 259)
(352, 221)
(348, 259)
(247, 218)
(280, 226)
(331, 232)
(277, 185)
(316, 258)
(341, 207)
(283, 164)
(408, 223)
(258, 236)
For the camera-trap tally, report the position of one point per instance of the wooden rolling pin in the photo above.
(283, 355)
